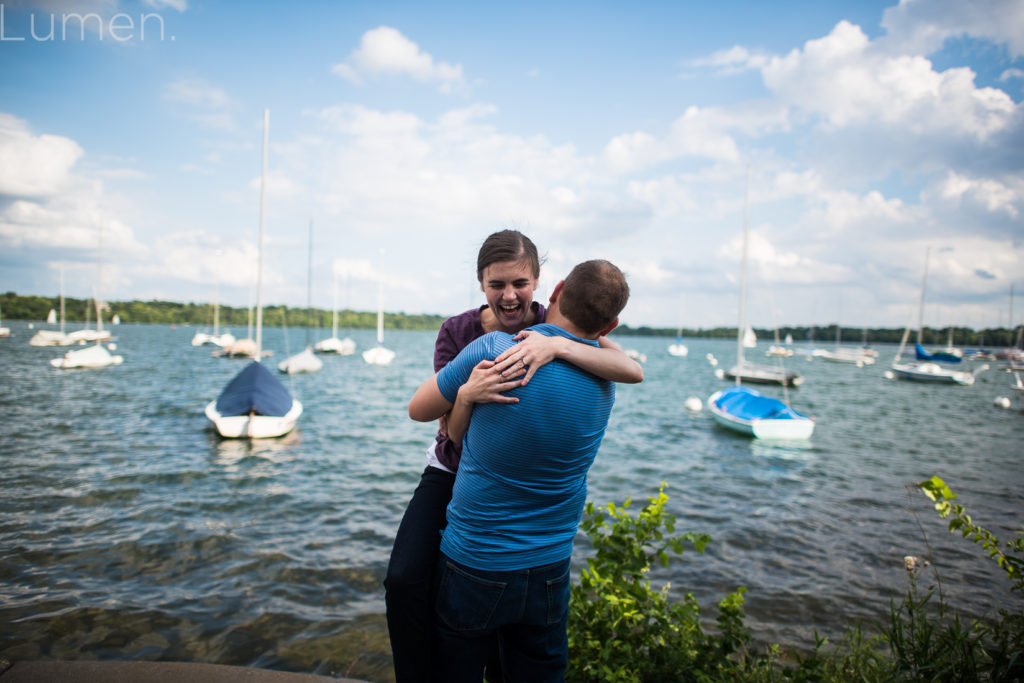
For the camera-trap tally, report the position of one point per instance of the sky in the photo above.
(857, 140)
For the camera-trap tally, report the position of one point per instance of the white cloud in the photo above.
(33, 165)
(845, 81)
(202, 102)
(923, 26)
(731, 61)
(385, 51)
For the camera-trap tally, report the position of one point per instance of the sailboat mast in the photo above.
(99, 278)
(743, 279)
(924, 284)
(216, 309)
(380, 311)
(334, 318)
(259, 261)
(309, 281)
(62, 300)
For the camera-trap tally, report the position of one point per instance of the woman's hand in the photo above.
(532, 351)
(487, 383)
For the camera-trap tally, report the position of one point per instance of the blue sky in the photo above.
(872, 132)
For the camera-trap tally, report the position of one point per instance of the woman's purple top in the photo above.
(456, 332)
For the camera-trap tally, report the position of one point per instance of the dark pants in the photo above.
(528, 609)
(409, 584)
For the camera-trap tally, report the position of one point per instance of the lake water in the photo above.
(128, 530)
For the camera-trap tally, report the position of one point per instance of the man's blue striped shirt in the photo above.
(522, 481)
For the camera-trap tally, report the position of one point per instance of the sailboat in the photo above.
(745, 410)
(342, 347)
(95, 355)
(850, 355)
(51, 317)
(255, 404)
(304, 361)
(749, 338)
(86, 334)
(222, 340)
(53, 337)
(926, 369)
(379, 355)
(679, 349)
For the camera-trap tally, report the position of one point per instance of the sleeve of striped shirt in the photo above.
(455, 374)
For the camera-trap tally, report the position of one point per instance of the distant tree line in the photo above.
(18, 307)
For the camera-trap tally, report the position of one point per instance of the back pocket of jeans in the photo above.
(558, 597)
(466, 602)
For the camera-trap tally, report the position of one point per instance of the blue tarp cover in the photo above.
(747, 404)
(939, 356)
(254, 388)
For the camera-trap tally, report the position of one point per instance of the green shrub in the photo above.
(623, 630)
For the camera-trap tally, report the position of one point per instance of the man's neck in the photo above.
(555, 317)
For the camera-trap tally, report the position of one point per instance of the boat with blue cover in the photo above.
(255, 404)
(747, 411)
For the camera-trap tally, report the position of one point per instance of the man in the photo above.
(520, 490)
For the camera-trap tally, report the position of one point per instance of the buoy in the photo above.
(1001, 402)
(888, 374)
(112, 346)
(719, 373)
(694, 404)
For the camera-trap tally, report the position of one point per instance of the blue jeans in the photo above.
(527, 608)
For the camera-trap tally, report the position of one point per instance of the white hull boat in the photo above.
(746, 411)
(302, 362)
(50, 338)
(851, 356)
(933, 372)
(342, 347)
(94, 356)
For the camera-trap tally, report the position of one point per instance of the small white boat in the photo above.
(342, 347)
(779, 352)
(848, 355)
(302, 362)
(636, 355)
(4, 331)
(746, 411)
(242, 348)
(933, 372)
(379, 355)
(53, 337)
(93, 356)
(749, 338)
(763, 374)
(50, 338)
(679, 350)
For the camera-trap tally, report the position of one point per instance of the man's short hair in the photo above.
(594, 294)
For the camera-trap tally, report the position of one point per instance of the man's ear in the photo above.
(556, 292)
(611, 326)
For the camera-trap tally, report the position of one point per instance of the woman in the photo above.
(508, 268)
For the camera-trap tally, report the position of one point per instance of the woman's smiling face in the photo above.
(508, 286)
